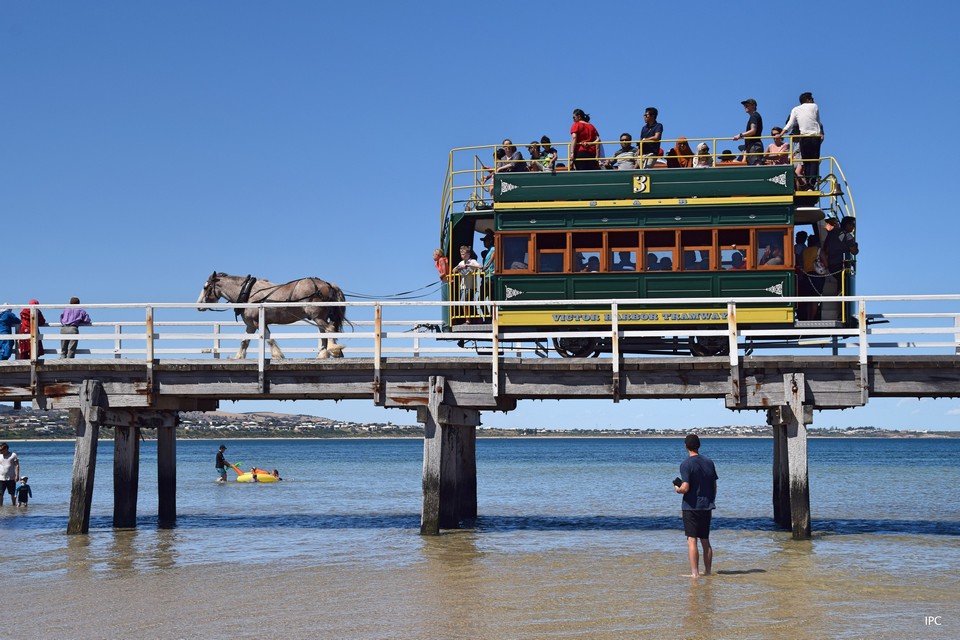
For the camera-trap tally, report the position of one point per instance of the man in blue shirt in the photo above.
(650, 136)
(698, 484)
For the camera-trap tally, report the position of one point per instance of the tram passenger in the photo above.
(778, 151)
(498, 157)
(736, 261)
(593, 265)
(442, 264)
(625, 264)
(549, 155)
(536, 158)
(806, 116)
(652, 262)
(650, 136)
(772, 255)
(839, 242)
(512, 160)
(727, 158)
(800, 246)
(809, 280)
(584, 137)
(683, 153)
(466, 271)
(665, 264)
(703, 159)
(752, 143)
(624, 158)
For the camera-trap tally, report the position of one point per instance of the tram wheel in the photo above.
(706, 346)
(575, 347)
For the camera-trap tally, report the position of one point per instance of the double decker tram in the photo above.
(716, 233)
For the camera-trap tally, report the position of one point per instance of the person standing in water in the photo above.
(222, 464)
(698, 485)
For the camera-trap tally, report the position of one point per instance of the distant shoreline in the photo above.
(546, 436)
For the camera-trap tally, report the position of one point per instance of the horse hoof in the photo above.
(323, 355)
(337, 354)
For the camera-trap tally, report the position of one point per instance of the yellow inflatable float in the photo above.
(254, 475)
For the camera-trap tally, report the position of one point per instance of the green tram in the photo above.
(661, 233)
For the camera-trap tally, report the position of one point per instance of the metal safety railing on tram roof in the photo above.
(468, 182)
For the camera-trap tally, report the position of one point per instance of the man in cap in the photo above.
(752, 142)
(222, 464)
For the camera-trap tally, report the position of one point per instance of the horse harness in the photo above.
(244, 295)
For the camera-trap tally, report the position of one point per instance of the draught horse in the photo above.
(243, 290)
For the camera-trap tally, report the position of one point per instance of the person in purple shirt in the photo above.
(70, 320)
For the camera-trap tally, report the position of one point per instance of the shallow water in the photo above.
(576, 539)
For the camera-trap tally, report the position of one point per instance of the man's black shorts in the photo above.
(8, 486)
(696, 524)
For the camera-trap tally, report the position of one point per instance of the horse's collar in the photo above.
(244, 295)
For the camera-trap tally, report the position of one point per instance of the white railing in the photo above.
(907, 325)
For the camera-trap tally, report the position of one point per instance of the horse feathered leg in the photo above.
(275, 351)
(242, 353)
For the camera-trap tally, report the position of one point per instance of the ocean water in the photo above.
(576, 538)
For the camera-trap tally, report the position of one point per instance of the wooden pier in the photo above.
(133, 374)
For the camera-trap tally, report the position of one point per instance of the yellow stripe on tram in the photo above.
(645, 202)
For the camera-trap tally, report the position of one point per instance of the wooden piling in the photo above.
(781, 471)
(86, 422)
(791, 483)
(167, 477)
(449, 463)
(126, 476)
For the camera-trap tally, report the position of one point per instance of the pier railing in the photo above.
(908, 325)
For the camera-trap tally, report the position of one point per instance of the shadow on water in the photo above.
(497, 523)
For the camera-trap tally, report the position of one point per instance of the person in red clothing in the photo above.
(24, 346)
(584, 139)
(442, 264)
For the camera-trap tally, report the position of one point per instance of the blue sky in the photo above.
(147, 144)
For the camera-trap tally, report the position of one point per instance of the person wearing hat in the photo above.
(23, 492)
(24, 346)
(8, 322)
(752, 142)
(9, 473)
(222, 464)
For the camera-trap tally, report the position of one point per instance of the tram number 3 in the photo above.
(641, 184)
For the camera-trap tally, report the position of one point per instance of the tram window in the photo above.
(550, 262)
(515, 252)
(770, 248)
(623, 260)
(696, 259)
(733, 259)
(660, 260)
(587, 261)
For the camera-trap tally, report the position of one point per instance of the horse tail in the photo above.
(337, 315)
